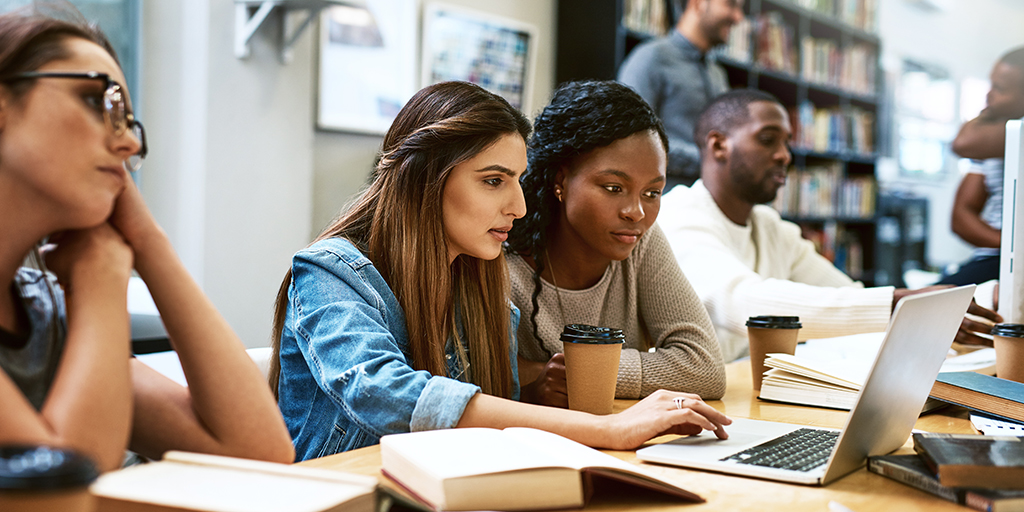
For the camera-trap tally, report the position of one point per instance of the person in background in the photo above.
(742, 258)
(676, 77)
(588, 251)
(397, 317)
(978, 206)
(68, 138)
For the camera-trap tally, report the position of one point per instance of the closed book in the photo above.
(997, 397)
(994, 500)
(184, 482)
(511, 469)
(912, 471)
(968, 460)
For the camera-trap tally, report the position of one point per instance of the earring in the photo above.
(558, 193)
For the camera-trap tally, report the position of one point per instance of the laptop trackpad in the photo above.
(742, 435)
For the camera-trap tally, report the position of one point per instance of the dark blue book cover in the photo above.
(1000, 398)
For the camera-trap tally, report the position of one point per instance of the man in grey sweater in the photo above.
(675, 77)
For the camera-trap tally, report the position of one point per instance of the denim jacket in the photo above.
(346, 373)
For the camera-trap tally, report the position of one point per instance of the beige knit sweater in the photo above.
(645, 295)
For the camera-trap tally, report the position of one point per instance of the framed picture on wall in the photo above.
(496, 53)
(367, 64)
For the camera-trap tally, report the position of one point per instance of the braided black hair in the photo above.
(581, 117)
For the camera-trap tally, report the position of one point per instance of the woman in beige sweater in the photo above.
(588, 250)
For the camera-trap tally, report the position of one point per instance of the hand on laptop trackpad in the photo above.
(709, 439)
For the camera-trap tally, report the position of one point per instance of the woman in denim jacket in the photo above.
(397, 317)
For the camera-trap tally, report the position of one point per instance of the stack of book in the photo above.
(981, 472)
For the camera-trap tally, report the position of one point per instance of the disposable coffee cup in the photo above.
(41, 478)
(769, 335)
(591, 366)
(1009, 342)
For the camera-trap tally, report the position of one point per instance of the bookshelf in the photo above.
(819, 57)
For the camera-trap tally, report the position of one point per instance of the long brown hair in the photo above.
(397, 222)
(33, 36)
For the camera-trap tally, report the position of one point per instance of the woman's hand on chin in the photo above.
(94, 253)
(132, 218)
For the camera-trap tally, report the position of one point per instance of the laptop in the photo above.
(916, 342)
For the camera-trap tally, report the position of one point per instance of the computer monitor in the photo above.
(1011, 249)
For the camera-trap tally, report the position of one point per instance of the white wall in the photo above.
(237, 174)
(965, 39)
(230, 173)
(343, 161)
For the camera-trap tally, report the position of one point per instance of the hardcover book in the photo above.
(511, 469)
(991, 395)
(912, 471)
(969, 460)
(196, 482)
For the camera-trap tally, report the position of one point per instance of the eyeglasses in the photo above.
(115, 108)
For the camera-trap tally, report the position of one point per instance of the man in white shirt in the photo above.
(741, 257)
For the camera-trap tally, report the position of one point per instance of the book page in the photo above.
(573, 454)
(460, 452)
(853, 356)
(211, 488)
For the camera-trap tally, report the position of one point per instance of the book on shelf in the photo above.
(971, 460)
(826, 7)
(834, 129)
(738, 46)
(830, 372)
(648, 17)
(191, 481)
(991, 395)
(511, 469)
(851, 68)
(821, 191)
(775, 47)
(859, 14)
(911, 470)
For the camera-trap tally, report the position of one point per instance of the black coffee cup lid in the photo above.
(40, 468)
(1008, 330)
(582, 333)
(774, 322)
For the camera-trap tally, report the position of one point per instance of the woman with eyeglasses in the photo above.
(68, 139)
(397, 317)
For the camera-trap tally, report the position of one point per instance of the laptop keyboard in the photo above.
(801, 450)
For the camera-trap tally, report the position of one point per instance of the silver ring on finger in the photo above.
(678, 401)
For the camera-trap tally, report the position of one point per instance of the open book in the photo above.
(830, 372)
(192, 481)
(511, 469)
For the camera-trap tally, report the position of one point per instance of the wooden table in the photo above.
(860, 491)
